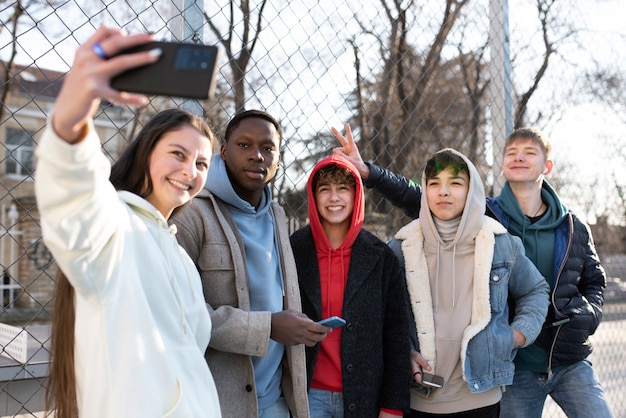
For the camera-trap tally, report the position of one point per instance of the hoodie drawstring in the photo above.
(172, 235)
(453, 276)
(437, 278)
(329, 289)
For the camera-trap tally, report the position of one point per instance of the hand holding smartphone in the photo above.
(432, 380)
(184, 70)
(333, 322)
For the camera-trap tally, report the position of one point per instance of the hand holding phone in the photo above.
(432, 380)
(333, 322)
(184, 70)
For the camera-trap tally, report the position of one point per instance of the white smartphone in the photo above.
(333, 322)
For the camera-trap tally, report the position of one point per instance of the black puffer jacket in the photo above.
(577, 296)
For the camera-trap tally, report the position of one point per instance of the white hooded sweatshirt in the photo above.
(142, 325)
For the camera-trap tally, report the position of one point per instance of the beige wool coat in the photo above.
(208, 233)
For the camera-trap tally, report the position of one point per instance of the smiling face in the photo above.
(178, 168)
(525, 162)
(335, 202)
(446, 193)
(251, 155)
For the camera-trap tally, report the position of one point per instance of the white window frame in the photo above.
(19, 146)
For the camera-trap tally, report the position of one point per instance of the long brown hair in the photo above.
(130, 172)
(61, 389)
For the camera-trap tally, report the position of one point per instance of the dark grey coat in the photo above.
(375, 342)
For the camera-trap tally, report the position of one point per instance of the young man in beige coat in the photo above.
(239, 242)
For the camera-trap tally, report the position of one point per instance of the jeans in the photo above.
(278, 410)
(325, 404)
(575, 389)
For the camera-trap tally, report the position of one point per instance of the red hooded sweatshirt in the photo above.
(333, 266)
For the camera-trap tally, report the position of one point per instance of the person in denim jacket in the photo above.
(461, 266)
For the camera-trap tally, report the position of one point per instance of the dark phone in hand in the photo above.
(432, 380)
(183, 70)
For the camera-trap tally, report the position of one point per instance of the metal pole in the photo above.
(500, 85)
(186, 26)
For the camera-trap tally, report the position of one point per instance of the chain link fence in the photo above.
(411, 77)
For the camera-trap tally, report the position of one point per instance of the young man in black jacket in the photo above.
(359, 370)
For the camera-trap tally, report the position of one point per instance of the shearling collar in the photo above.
(418, 283)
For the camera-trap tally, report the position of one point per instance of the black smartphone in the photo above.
(183, 70)
(432, 380)
(333, 322)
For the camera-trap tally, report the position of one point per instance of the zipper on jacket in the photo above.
(552, 296)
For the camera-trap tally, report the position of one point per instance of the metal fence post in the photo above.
(186, 26)
(500, 87)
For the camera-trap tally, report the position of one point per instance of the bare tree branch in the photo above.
(238, 60)
(543, 8)
(431, 63)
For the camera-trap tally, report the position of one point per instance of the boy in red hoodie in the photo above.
(360, 369)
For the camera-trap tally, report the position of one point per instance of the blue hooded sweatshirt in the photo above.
(265, 279)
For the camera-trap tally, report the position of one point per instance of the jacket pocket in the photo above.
(217, 273)
(178, 399)
(498, 288)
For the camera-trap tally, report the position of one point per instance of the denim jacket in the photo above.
(487, 347)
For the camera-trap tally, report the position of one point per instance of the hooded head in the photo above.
(463, 195)
(335, 201)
